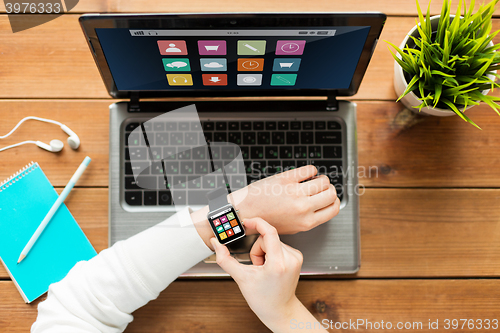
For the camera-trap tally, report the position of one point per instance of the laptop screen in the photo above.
(232, 54)
(237, 60)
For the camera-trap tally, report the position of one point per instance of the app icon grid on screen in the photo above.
(244, 47)
(227, 229)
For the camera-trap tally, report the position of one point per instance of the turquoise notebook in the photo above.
(25, 199)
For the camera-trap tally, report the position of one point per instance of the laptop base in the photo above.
(332, 248)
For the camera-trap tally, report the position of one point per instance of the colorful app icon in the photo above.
(290, 47)
(176, 64)
(249, 79)
(220, 229)
(172, 47)
(283, 79)
(214, 79)
(286, 64)
(230, 233)
(213, 64)
(216, 222)
(180, 79)
(233, 223)
(237, 230)
(230, 216)
(251, 47)
(222, 235)
(212, 47)
(223, 219)
(226, 226)
(250, 64)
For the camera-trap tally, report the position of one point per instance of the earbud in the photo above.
(73, 140)
(55, 145)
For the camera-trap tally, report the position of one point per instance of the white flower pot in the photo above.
(400, 84)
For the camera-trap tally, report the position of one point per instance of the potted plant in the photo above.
(447, 63)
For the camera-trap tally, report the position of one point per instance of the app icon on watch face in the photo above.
(217, 222)
(237, 230)
(230, 233)
(290, 47)
(223, 219)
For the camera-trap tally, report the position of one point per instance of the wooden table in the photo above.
(430, 218)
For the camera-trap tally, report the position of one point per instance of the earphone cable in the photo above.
(29, 118)
(17, 144)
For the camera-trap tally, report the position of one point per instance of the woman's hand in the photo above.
(291, 201)
(288, 203)
(269, 284)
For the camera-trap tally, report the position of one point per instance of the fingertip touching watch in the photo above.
(223, 217)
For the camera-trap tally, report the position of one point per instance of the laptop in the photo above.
(297, 64)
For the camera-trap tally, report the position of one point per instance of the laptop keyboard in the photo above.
(268, 147)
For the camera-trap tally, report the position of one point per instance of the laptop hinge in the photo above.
(133, 105)
(331, 101)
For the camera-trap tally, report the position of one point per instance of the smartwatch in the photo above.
(223, 217)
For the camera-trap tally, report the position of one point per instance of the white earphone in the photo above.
(55, 145)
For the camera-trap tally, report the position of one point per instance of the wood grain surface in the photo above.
(397, 148)
(404, 233)
(83, 6)
(390, 7)
(88, 119)
(59, 63)
(190, 306)
(430, 211)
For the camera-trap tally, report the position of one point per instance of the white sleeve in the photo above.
(99, 295)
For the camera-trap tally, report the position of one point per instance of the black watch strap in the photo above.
(217, 198)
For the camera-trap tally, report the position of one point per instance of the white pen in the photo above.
(54, 208)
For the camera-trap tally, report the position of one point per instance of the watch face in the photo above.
(226, 224)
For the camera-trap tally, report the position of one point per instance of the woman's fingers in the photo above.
(225, 261)
(300, 174)
(271, 244)
(327, 213)
(315, 186)
(257, 253)
(323, 199)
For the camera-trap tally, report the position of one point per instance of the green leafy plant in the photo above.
(450, 66)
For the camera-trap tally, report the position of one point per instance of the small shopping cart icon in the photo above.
(286, 64)
(211, 47)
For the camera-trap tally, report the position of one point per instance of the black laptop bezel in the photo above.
(90, 22)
